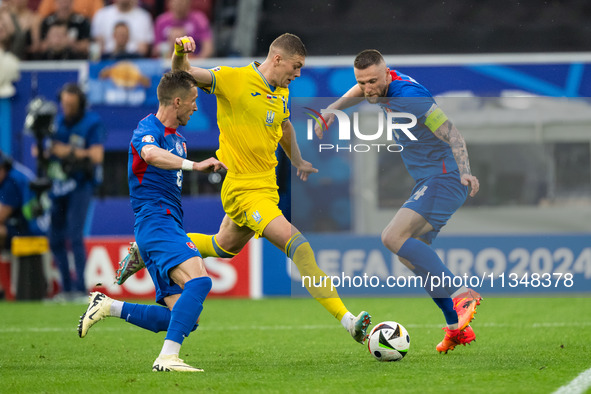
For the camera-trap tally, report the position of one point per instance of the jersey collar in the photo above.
(256, 65)
(167, 130)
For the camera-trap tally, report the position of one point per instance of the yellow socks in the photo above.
(208, 246)
(299, 251)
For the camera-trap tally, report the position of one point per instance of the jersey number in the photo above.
(179, 178)
(420, 193)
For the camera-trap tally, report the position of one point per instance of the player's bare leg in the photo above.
(287, 238)
(231, 237)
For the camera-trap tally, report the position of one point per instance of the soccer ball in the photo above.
(388, 341)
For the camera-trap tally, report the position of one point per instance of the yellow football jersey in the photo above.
(250, 114)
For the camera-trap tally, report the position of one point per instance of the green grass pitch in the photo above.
(529, 345)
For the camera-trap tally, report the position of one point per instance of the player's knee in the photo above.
(390, 239)
(206, 284)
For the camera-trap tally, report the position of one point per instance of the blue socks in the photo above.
(158, 318)
(187, 309)
(447, 307)
(151, 317)
(428, 265)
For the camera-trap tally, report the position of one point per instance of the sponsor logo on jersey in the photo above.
(254, 94)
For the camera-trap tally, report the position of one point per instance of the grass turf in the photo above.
(292, 345)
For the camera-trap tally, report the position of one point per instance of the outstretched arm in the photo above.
(449, 133)
(180, 61)
(162, 158)
(353, 97)
(290, 146)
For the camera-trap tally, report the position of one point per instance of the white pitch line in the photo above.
(578, 385)
(302, 327)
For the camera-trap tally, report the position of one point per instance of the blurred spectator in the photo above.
(77, 38)
(75, 169)
(84, 7)
(8, 62)
(156, 7)
(6, 28)
(181, 21)
(121, 37)
(16, 199)
(57, 44)
(139, 21)
(24, 29)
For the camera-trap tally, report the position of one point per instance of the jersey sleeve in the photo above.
(223, 78)
(416, 100)
(144, 136)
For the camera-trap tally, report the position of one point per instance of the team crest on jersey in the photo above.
(148, 138)
(257, 216)
(179, 148)
(191, 245)
(185, 148)
(270, 118)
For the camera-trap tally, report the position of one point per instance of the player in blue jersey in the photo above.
(438, 162)
(157, 159)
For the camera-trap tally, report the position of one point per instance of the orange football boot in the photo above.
(465, 305)
(455, 337)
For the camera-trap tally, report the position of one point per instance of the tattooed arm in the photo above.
(449, 133)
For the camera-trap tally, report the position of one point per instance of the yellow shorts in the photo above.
(251, 200)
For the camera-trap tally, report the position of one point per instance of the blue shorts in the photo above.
(436, 198)
(163, 245)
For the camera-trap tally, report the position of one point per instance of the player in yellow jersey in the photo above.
(253, 118)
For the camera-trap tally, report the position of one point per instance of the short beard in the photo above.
(377, 99)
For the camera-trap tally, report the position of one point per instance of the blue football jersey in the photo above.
(152, 188)
(428, 155)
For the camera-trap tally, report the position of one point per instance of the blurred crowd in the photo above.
(102, 29)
